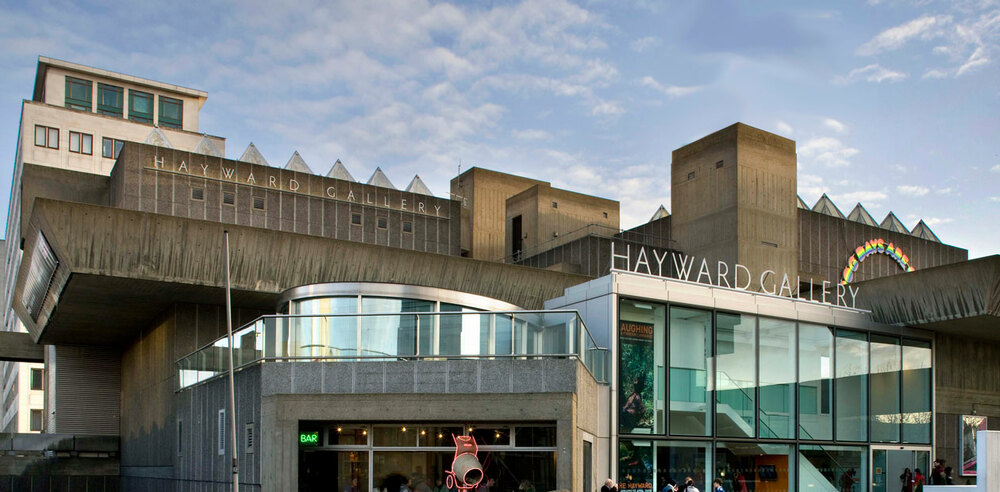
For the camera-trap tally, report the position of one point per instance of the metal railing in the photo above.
(400, 336)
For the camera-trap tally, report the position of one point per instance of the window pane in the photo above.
(916, 380)
(491, 435)
(736, 374)
(839, 468)
(392, 335)
(108, 147)
(140, 106)
(534, 436)
(396, 435)
(118, 147)
(109, 100)
(78, 94)
(348, 435)
(675, 461)
(88, 144)
(777, 378)
(635, 465)
(815, 381)
(170, 112)
(852, 386)
(36, 379)
(40, 132)
(641, 332)
(53, 138)
(753, 466)
(439, 436)
(74, 142)
(326, 336)
(690, 369)
(36, 420)
(461, 334)
(886, 361)
(333, 470)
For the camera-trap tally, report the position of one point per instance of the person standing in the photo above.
(609, 486)
(907, 479)
(717, 485)
(918, 481)
(689, 485)
(947, 476)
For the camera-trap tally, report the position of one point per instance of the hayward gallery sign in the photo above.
(650, 261)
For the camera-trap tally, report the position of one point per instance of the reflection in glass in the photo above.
(886, 362)
(690, 368)
(393, 335)
(916, 380)
(736, 374)
(678, 460)
(754, 466)
(466, 334)
(815, 381)
(777, 378)
(840, 468)
(641, 345)
(333, 470)
(324, 336)
(852, 386)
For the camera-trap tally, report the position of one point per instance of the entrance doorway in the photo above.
(890, 466)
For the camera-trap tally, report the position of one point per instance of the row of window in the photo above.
(111, 102)
(79, 143)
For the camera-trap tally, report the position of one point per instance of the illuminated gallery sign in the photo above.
(870, 247)
(651, 261)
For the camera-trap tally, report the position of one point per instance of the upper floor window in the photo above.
(171, 112)
(81, 143)
(36, 378)
(110, 100)
(78, 94)
(46, 137)
(111, 147)
(140, 106)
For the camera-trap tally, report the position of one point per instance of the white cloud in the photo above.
(668, 90)
(934, 74)
(944, 191)
(530, 134)
(925, 27)
(933, 221)
(835, 125)
(783, 127)
(607, 108)
(913, 190)
(977, 59)
(827, 151)
(995, 169)
(871, 73)
(870, 197)
(995, 198)
(642, 44)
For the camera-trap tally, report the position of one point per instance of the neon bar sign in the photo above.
(309, 438)
(870, 247)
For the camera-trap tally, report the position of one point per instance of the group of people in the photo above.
(670, 486)
(914, 481)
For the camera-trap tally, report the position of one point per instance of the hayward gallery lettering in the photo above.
(845, 295)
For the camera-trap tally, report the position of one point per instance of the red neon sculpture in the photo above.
(466, 471)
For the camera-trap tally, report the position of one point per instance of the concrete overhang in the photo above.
(19, 347)
(957, 299)
(119, 269)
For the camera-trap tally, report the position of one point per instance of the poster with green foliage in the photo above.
(635, 376)
(635, 466)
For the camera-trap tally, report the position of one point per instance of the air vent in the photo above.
(228, 198)
(249, 438)
(41, 271)
(222, 432)
(197, 193)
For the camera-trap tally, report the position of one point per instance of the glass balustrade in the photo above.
(411, 335)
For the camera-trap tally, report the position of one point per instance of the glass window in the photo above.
(641, 332)
(435, 436)
(461, 334)
(886, 361)
(735, 375)
(36, 379)
(46, 137)
(140, 106)
(36, 421)
(676, 461)
(852, 386)
(81, 143)
(356, 219)
(528, 436)
(171, 112)
(840, 468)
(78, 94)
(110, 147)
(325, 336)
(491, 435)
(382, 222)
(777, 379)
(110, 100)
(815, 381)
(754, 466)
(393, 334)
(407, 226)
(321, 469)
(635, 465)
(395, 435)
(690, 370)
(916, 383)
(347, 435)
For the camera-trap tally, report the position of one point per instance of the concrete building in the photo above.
(773, 345)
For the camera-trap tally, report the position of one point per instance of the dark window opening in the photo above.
(36, 421)
(197, 193)
(516, 240)
(258, 202)
(36, 379)
(383, 222)
(228, 198)
(171, 112)
(110, 100)
(407, 226)
(555, 204)
(605, 215)
(356, 219)
(719, 164)
(78, 94)
(691, 175)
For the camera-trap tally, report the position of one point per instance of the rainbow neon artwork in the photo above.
(870, 247)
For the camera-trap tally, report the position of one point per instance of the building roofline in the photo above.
(44, 62)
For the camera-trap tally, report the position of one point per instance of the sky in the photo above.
(894, 104)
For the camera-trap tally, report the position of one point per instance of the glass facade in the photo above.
(764, 404)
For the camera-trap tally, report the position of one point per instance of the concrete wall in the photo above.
(484, 195)
(826, 242)
(151, 408)
(544, 390)
(152, 179)
(965, 383)
(549, 215)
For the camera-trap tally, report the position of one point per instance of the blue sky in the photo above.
(895, 104)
